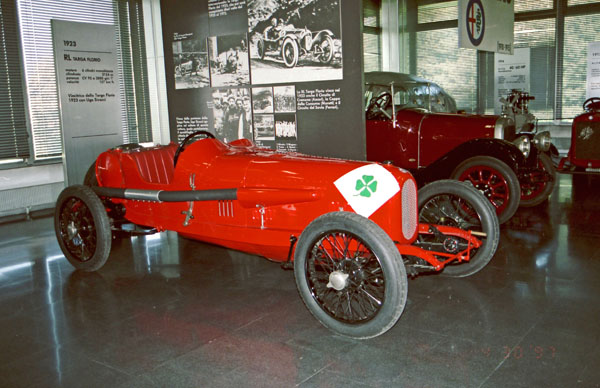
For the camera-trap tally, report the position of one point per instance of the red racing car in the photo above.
(350, 230)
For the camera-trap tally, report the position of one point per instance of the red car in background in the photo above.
(584, 153)
(358, 227)
(414, 124)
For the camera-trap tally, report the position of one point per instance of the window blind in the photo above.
(13, 129)
(579, 31)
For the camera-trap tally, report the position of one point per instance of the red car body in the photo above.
(584, 153)
(356, 223)
(278, 195)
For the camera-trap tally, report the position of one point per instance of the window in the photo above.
(453, 68)
(14, 145)
(39, 71)
(579, 31)
(371, 35)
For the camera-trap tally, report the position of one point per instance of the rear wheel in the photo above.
(457, 204)
(350, 275)
(495, 180)
(82, 228)
(540, 183)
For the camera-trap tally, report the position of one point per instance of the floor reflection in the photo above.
(169, 311)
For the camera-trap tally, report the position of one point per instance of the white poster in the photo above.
(593, 71)
(511, 72)
(486, 25)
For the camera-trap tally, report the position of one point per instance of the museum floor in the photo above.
(171, 312)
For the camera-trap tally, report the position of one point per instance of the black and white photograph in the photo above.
(285, 98)
(232, 112)
(191, 64)
(285, 126)
(229, 60)
(264, 127)
(262, 100)
(295, 41)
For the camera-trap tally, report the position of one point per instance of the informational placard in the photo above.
(511, 72)
(486, 25)
(593, 71)
(274, 72)
(87, 75)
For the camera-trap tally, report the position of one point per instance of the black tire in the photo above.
(548, 187)
(505, 192)
(458, 204)
(326, 47)
(260, 48)
(82, 228)
(289, 52)
(380, 277)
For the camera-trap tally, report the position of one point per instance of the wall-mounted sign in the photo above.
(486, 25)
(511, 72)
(593, 71)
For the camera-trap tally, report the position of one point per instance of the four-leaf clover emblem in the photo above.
(366, 186)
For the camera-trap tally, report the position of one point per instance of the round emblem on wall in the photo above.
(475, 22)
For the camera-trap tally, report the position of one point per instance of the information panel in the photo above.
(593, 71)
(511, 72)
(87, 74)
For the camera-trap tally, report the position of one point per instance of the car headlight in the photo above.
(523, 144)
(542, 141)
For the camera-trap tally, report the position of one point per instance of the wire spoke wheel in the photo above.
(345, 277)
(458, 205)
(350, 275)
(77, 229)
(82, 228)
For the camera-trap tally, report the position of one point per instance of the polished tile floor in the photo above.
(171, 312)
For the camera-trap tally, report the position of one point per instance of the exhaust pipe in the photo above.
(165, 195)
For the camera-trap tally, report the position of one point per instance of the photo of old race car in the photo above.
(351, 231)
(289, 44)
(414, 124)
(584, 152)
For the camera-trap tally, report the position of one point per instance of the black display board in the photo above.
(286, 74)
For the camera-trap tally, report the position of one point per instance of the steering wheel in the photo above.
(187, 140)
(378, 105)
(592, 103)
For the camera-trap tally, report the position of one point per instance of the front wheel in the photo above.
(82, 228)
(457, 204)
(350, 275)
(540, 183)
(495, 180)
(289, 52)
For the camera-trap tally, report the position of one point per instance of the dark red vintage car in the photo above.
(414, 124)
(356, 223)
(584, 153)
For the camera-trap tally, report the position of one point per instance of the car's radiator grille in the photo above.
(409, 209)
(587, 140)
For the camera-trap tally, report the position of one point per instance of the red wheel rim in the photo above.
(535, 185)
(491, 183)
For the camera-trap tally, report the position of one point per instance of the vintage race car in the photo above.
(584, 152)
(350, 230)
(414, 124)
(290, 44)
